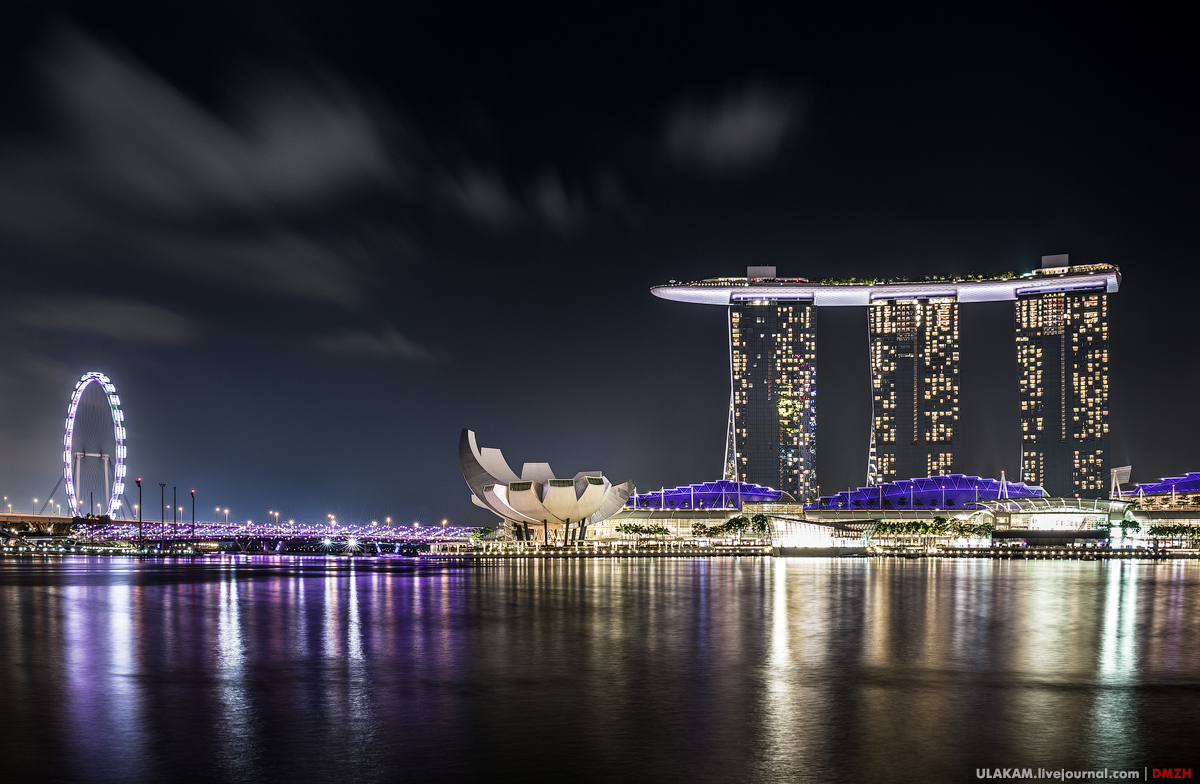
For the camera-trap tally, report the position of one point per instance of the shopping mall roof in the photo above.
(951, 491)
(1190, 483)
(721, 494)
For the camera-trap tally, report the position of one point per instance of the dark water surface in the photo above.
(307, 669)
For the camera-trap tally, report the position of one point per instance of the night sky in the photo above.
(311, 242)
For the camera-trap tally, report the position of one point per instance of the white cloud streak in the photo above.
(548, 201)
(118, 319)
(744, 130)
(485, 198)
(144, 170)
(388, 344)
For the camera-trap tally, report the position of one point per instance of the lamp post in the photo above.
(141, 539)
(162, 517)
(175, 515)
(193, 513)
(226, 517)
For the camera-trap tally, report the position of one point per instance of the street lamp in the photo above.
(162, 515)
(226, 517)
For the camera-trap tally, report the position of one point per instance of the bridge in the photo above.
(59, 533)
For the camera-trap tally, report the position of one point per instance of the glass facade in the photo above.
(914, 385)
(773, 420)
(1062, 352)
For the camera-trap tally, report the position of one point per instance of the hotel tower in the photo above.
(772, 434)
(913, 330)
(914, 387)
(1062, 351)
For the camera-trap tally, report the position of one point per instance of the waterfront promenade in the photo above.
(598, 549)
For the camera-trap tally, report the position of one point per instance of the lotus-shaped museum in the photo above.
(536, 504)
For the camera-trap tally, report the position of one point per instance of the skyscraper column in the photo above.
(914, 387)
(1062, 354)
(771, 438)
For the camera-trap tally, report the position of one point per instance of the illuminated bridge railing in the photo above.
(121, 530)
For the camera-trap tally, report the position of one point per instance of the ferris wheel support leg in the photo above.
(77, 474)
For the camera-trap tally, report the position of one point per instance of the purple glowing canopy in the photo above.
(721, 494)
(1179, 484)
(952, 491)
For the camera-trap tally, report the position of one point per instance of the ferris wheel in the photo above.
(94, 448)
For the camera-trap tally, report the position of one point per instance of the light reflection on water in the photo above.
(599, 670)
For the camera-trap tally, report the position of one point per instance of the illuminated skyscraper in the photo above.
(914, 383)
(1062, 350)
(772, 412)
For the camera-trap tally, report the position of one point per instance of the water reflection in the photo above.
(709, 670)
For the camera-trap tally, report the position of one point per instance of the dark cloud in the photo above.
(743, 130)
(564, 212)
(387, 344)
(484, 197)
(108, 317)
(142, 168)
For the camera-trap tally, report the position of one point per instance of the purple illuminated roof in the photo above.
(721, 494)
(1179, 484)
(952, 491)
